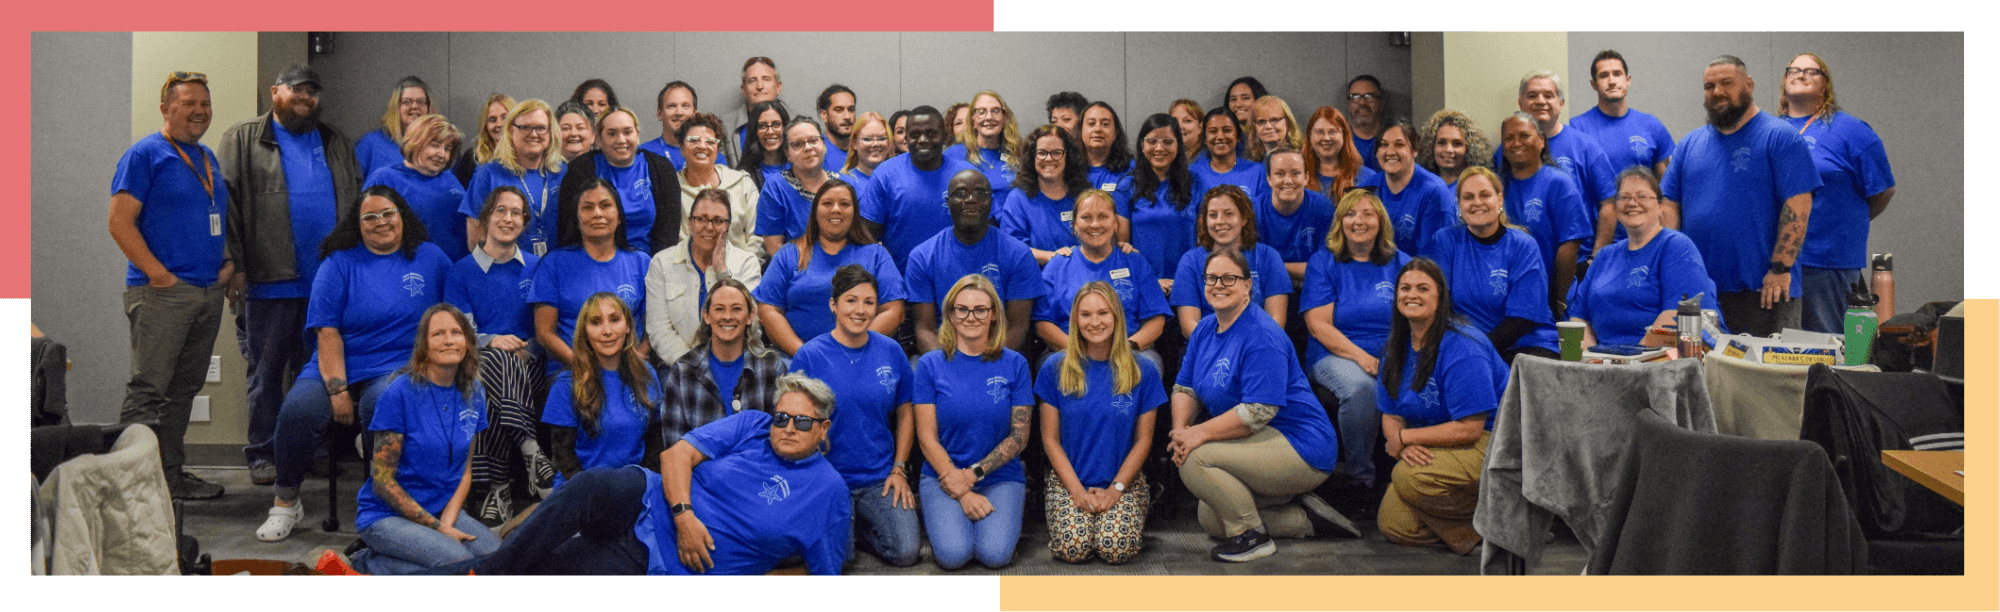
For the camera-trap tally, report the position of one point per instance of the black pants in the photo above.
(585, 529)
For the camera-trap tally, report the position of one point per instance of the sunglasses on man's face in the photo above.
(799, 422)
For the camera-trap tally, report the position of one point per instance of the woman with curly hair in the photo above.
(1452, 143)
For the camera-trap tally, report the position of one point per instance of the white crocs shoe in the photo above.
(279, 525)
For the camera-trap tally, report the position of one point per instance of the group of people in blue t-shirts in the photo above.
(874, 333)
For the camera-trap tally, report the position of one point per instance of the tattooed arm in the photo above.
(562, 441)
(1017, 439)
(1791, 235)
(388, 455)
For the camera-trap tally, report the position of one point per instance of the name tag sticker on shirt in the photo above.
(1108, 186)
(1121, 273)
(1067, 215)
(215, 224)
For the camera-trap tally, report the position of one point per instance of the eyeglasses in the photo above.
(379, 216)
(800, 145)
(1629, 199)
(179, 76)
(981, 112)
(1789, 71)
(498, 213)
(1155, 142)
(408, 102)
(1049, 154)
(960, 194)
(769, 125)
(1226, 280)
(531, 129)
(797, 421)
(974, 314)
(710, 220)
(698, 140)
(1278, 121)
(1363, 96)
(874, 139)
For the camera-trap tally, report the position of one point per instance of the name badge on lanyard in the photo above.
(207, 182)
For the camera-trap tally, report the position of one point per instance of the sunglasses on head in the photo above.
(799, 422)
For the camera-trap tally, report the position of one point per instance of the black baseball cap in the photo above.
(298, 74)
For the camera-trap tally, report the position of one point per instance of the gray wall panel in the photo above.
(1370, 53)
(78, 269)
(941, 69)
(1165, 66)
(365, 65)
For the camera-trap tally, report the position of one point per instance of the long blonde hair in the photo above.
(587, 388)
(552, 159)
(487, 147)
(996, 333)
(1010, 134)
(1124, 368)
(392, 120)
(1385, 237)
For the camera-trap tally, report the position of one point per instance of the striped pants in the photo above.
(516, 387)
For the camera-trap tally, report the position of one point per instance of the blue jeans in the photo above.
(882, 529)
(271, 334)
(1825, 298)
(302, 425)
(397, 546)
(956, 539)
(1358, 420)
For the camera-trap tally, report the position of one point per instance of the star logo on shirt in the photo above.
(1123, 403)
(628, 293)
(1407, 225)
(526, 284)
(997, 387)
(415, 283)
(1385, 290)
(1123, 286)
(1740, 160)
(776, 490)
(1637, 277)
(1498, 279)
(468, 421)
(1430, 395)
(1640, 147)
(1812, 143)
(1531, 210)
(1306, 237)
(1566, 164)
(991, 272)
(886, 376)
(1220, 371)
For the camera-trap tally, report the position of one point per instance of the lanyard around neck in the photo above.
(207, 180)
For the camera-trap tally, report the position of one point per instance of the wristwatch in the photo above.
(1778, 268)
(1118, 486)
(678, 509)
(978, 472)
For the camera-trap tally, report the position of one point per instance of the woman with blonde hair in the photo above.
(1350, 290)
(1330, 154)
(480, 151)
(648, 187)
(526, 159)
(1273, 127)
(382, 148)
(989, 141)
(973, 397)
(601, 406)
(420, 177)
(1098, 403)
(1187, 114)
(1495, 270)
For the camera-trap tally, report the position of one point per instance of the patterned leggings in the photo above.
(515, 390)
(1115, 534)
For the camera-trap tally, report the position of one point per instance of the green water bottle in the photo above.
(1859, 325)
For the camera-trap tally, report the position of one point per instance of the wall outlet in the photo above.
(200, 412)
(214, 368)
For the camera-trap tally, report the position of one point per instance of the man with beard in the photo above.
(1627, 136)
(676, 103)
(836, 112)
(1365, 102)
(289, 176)
(1741, 187)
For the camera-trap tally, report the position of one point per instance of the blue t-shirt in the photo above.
(376, 150)
(1298, 235)
(1097, 428)
(1040, 221)
(1128, 274)
(1253, 363)
(175, 208)
(539, 185)
(660, 146)
(310, 196)
(759, 507)
(835, 157)
(1588, 169)
(495, 297)
(1468, 379)
(1425, 206)
(804, 295)
(1115, 181)
(621, 422)
(859, 179)
(999, 174)
(1267, 278)
(725, 373)
(783, 211)
(437, 424)
(568, 276)
(1852, 166)
(1549, 206)
(975, 402)
(938, 263)
(1366, 147)
(1161, 232)
(868, 384)
(1636, 139)
(1490, 283)
(1247, 174)
(1363, 295)
(635, 198)
(1626, 290)
(909, 202)
(435, 199)
(377, 302)
(1365, 173)
(1731, 188)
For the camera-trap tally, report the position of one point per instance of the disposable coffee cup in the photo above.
(1572, 340)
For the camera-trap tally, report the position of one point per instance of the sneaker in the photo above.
(495, 507)
(332, 563)
(1326, 521)
(263, 473)
(544, 474)
(1247, 546)
(188, 486)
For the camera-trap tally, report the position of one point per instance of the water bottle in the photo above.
(1859, 325)
(1687, 321)
(1883, 279)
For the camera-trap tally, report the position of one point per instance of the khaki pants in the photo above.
(1432, 504)
(173, 333)
(1251, 483)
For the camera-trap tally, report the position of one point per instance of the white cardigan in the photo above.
(672, 309)
(742, 207)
